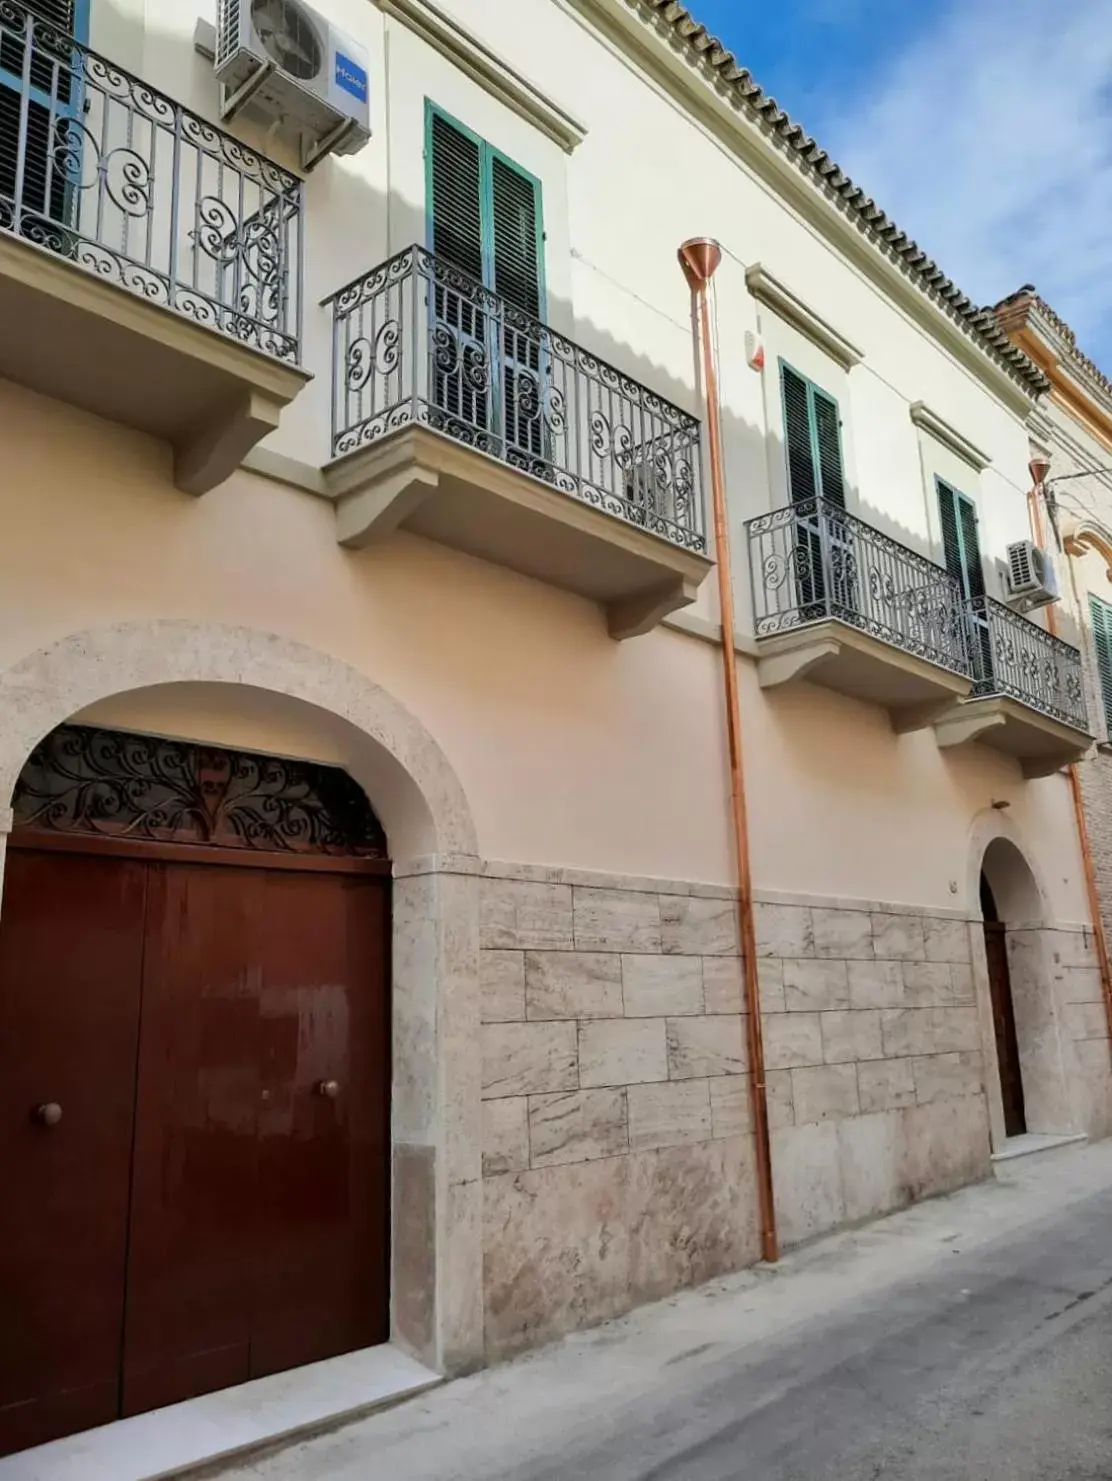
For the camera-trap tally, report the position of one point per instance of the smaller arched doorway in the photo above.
(194, 1076)
(1003, 1014)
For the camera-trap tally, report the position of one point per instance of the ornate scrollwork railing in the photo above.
(812, 562)
(416, 341)
(1013, 656)
(109, 173)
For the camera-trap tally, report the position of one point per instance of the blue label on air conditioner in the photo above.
(351, 77)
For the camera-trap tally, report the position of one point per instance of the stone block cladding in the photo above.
(1084, 1023)
(617, 1146)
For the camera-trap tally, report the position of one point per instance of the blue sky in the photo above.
(983, 127)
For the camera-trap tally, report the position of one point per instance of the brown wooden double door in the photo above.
(212, 1204)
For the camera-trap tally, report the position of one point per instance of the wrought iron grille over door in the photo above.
(117, 785)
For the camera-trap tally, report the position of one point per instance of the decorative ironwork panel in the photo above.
(116, 785)
(112, 175)
(1015, 657)
(813, 562)
(416, 341)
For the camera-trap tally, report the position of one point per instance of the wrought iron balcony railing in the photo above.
(416, 342)
(1014, 657)
(100, 168)
(812, 562)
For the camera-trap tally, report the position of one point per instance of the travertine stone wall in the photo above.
(1084, 1024)
(873, 1050)
(617, 1155)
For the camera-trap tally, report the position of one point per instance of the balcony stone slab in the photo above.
(422, 481)
(913, 690)
(99, 347)
(1041, 744)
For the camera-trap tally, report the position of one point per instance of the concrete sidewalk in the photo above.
(971, 1277)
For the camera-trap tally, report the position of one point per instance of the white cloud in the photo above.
(989, 140)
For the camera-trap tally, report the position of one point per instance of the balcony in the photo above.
(150, 265)
(840, 604)
(1028, 693)
(460, 418)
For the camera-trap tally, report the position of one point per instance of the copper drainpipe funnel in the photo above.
(1039, 467)
(699, 259)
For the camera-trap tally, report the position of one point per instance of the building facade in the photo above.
(1071, 433)
(363, 770)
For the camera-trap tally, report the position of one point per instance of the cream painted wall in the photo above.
(573, 749)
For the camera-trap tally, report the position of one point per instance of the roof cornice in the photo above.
(677, 50)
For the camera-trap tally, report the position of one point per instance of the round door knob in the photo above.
(48, 1114)
(330, 1089)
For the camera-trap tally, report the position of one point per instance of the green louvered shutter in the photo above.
(797, 435)
(951, 539)
(58, 13)
(515, 230)
(1100, 614)
(457, 197)
(828, 438)
(961, 541)
(52, 83)
(971, 547)
(961, 546)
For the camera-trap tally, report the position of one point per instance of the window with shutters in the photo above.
(485, 218)
(961, 542)
(1100, 621)
(824, 543)
(961, 549)
(812, 439)
(35, 141)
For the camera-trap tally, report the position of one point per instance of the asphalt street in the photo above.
(970, 1339)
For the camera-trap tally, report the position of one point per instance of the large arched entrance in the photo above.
(254, 692)
(1020, 962)
(194, 1077)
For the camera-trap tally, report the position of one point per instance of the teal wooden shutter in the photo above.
(951, 539)
(484, 214)
(515, 236)
(961, 542)
(971, 545)
(813, 438)
(54, 77)
(802, 481)
(1100, 616)
(828, 440)
(455, 172)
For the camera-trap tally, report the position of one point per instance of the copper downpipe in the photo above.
(1039, 470)
(700, 259)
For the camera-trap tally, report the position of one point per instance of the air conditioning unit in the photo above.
(1031, 578)
(284, 61)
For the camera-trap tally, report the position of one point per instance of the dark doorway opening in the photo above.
(1003, 1014)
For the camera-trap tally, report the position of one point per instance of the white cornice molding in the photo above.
(495, 75)
(935, 426)
(769, 290)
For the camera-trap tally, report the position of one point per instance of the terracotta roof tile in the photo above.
(706, 51)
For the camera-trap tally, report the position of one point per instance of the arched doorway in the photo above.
(194, 1076)
(1003, 1014)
